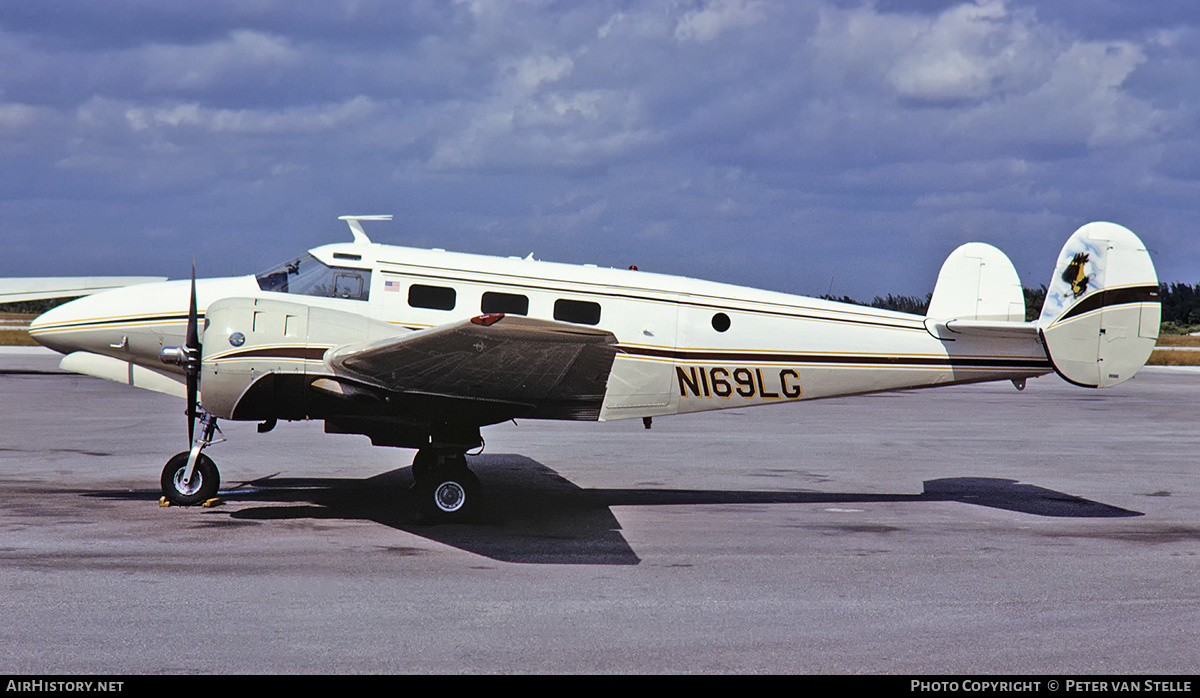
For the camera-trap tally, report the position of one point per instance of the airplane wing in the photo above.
(548, 369)
(42, 288)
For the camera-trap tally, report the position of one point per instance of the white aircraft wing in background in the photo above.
(16, 290)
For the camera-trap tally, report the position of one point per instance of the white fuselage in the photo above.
(684, 345)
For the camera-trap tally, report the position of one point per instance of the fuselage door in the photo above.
(643, 374)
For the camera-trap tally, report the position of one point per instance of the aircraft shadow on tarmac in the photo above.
(534, 515)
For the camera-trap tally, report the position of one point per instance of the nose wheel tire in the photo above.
(202, 486)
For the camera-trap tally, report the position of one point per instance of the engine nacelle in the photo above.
(261, 356)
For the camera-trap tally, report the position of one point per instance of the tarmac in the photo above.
(963, 530)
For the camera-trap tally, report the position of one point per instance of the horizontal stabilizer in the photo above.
(985, 328)
(1100, 320)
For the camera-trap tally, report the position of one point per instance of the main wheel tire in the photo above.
(449, 496)
(205, 482)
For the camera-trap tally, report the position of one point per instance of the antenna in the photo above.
(356, 228)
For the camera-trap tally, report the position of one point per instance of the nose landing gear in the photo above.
(180, 489)
(191, 477)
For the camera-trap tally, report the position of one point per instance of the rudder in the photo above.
(1100, 320)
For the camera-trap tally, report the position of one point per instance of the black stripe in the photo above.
(316, 354)
(298, 352)
(123, 321)
(1115, 296)
(760, 357)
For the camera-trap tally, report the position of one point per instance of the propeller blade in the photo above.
(192, 344)
(193, 334)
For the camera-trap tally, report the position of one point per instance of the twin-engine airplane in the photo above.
(421, 348)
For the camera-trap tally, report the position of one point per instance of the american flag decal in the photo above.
(391, 286)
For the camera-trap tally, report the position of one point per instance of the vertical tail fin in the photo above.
(1100, 319)
(977, 282)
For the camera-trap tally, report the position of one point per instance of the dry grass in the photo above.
(16, 338)
(16, 334)
(1166, 357)
(1178, 340)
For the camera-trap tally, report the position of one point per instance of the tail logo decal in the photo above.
(1074, 275)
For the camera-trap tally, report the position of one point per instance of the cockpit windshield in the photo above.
(308, 276)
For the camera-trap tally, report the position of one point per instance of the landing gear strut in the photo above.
(191, 477)
(446, 490)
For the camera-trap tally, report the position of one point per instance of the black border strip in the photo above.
(1115, 296)
(297, 352)
(94, 324)
(684, 355)
(317, 354)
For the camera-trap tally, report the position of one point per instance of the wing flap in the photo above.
(550, 369)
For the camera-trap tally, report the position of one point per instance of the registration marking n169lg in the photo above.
(747, 383)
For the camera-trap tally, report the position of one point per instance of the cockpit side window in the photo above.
(348, 283)
(308, 276)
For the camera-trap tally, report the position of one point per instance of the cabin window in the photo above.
(308, 276)
(579, 312)
(507, 303)
(720, 322)
(433, 297)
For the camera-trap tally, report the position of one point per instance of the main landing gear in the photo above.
(191, 477)
(446, 490)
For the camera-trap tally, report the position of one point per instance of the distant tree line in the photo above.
(1180, 304)
(33, 307)
(903, 304)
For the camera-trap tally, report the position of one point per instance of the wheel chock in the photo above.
(215, 501)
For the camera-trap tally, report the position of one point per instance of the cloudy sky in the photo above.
(802, 145)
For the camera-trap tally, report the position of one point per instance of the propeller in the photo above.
(188, 356)
(193, 348)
